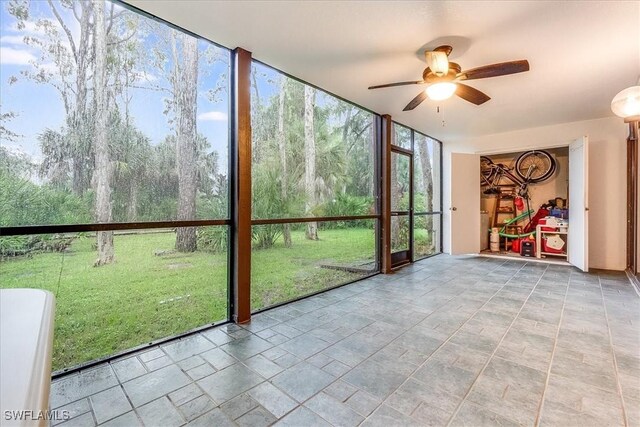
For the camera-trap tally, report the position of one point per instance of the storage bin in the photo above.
(528, 248)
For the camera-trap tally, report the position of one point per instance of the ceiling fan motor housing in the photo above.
(429, 77)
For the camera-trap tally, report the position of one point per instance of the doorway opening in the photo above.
(524, 198)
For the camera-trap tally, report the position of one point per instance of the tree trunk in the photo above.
(310, 160)
(102, 172)
(427, 179)
(345, 128)
(80, 123)
(186, 152)
(132, 208)
(256, 106)
(78, 179)
(284, 179)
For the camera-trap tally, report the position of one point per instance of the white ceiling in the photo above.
(581, 53)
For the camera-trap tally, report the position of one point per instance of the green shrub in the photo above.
(212, 239)
(24, 203)
(346, 205)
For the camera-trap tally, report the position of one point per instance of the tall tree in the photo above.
(282, 148)
(133, 157)
(102, 173)
(79, 122)
(64, 63)
(185, 89)
(75, 91)
(310, 160)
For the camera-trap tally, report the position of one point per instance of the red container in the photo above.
(543, 222)
(515, 245)
(550, 250)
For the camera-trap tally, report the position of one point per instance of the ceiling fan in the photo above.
(443, 78)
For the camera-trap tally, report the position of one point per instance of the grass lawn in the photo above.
(143, 297)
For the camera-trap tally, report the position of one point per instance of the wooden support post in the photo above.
(241, 209)
(385, 214)
(632, 197)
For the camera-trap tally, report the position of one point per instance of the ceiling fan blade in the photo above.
(471, 94)
(495, 70)
(413, 82)
(416, 101)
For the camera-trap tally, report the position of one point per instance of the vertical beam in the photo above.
(411, 195)
(441, 197)
(241, 211)
(632, 198)
(385, 214)
(377, 173)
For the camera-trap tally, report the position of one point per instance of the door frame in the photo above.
(387, 138)
(403, 257)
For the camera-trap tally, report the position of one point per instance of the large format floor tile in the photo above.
(450, 341)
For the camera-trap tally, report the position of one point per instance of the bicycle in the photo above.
(531, 167)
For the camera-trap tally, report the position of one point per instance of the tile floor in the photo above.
(446, 341)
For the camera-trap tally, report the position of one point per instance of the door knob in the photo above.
(453, 208)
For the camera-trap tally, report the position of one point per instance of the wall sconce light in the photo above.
(626, 104)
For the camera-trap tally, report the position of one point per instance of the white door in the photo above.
(578, 239)
(465, 203)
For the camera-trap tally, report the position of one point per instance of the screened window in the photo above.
(401, 136)
(427, 229)
(346, 251)
(313, 154)
(426, 177)
(313, 157)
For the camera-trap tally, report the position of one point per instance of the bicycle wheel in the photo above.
(486, 166)
(535, 166)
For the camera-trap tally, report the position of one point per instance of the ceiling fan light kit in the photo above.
(443, 78)
(441, 91)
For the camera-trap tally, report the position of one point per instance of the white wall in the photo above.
(607, 178)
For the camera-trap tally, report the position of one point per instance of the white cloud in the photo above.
(34, 29)
(13, 56)
(215, 116)
(13, 40)
(144, 76)
(50, 67)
